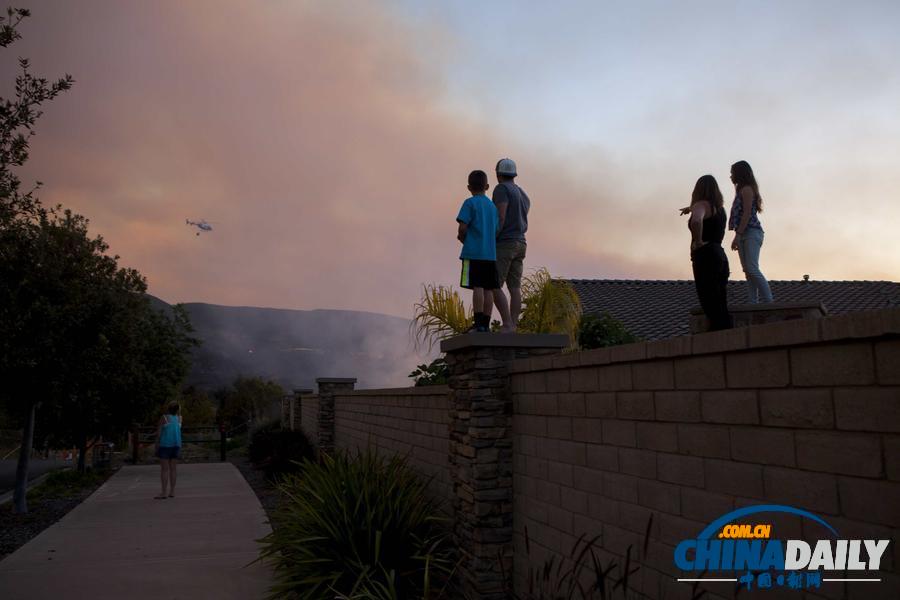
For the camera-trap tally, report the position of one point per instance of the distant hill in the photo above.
(293, 347)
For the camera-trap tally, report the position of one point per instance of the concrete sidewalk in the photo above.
(121, 543)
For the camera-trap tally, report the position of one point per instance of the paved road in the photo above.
(121, 543)
(36, 468)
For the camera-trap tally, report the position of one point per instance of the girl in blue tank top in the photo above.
(168, 449)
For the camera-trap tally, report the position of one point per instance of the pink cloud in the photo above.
(313, 139)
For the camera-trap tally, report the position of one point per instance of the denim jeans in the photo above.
(749, 246)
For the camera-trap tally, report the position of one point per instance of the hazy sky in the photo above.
(329, 142)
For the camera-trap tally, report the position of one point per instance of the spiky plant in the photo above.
(439, 314)
(549, 305)
(357, 526)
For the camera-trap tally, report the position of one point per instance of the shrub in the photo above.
(278, 451)
(435, 373)
(600, 331)
(357, 527)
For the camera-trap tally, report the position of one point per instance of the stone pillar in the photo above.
(481, 453)
(287, 407)
(296, 406)
(328, 387)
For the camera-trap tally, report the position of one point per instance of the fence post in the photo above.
(481, 452)
(328, 387)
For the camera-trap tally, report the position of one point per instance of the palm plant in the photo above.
(439, 314)
(549, 305)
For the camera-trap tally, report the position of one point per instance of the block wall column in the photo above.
(329, 387)
(481, 454)
(297, 407)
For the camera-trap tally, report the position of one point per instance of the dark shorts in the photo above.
(479, 274)
(169, 452)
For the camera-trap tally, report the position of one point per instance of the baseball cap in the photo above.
(506, 166)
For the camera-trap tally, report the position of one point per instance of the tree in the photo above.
(126, 359)
(196, 407)
(18, 214)
(248, 400)
(78, 337)
(33, 281)
(17, 121)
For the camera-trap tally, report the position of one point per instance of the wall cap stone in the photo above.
(504, 340)
(768, 307)
(422, 390)
(335, 379)
(860, 325)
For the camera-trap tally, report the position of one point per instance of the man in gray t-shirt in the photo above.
(512, 205)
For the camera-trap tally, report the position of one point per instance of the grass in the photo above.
(67, 483)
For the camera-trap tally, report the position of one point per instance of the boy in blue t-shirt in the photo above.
(478, 227)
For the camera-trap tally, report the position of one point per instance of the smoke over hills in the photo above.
(293, 347)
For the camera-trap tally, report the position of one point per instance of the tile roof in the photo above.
(655, 310)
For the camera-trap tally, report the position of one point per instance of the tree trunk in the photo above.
(82, 451)
(20, 504)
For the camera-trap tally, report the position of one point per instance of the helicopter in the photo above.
(202, 225)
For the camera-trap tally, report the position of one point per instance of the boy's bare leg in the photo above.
(503, 309)
(488, 306)
(478, 299)
(172, 473)
(164, 474)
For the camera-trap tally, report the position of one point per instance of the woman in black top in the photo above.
(707, 225)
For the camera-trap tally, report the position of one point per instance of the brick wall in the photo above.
(408, 421)
(309, 417)
(643, 445)
(805, 413)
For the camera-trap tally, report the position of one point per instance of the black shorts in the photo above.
(169, 452)
(479, 274)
